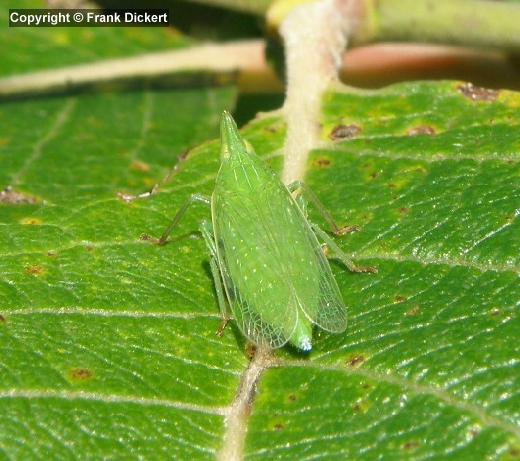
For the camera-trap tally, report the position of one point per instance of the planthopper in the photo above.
(265, 255)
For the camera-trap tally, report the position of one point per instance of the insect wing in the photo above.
(331, 313)
(248, 316)
(251, 323)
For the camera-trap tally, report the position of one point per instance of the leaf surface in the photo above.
(107, 341)
(429, 365)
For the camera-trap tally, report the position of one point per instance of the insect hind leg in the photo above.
(177, 218)
(338, 252)
(209, 238)
(303, 193)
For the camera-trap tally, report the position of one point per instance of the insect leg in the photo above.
(313, 198)
(220, 296)
(176, 219)
(338, 252)
(207, 233)
(173, 171)
(131, 197)
(300, 200)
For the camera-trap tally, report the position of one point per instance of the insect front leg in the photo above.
(173, 171)
(209, 238)
(313, 198)
(338, 252)
(176, 219)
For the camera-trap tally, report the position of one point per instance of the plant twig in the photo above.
(315, 36)
(475, 23)
(247, 58)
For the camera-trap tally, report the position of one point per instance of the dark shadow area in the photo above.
(248, 105)
(201, 22)
(176, 81)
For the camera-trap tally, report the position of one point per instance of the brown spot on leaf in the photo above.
(360, 407)
(404, 210)
(413, 311)
(514, 452)
(399, 299)
(31, 221)
(495, 312)
(345, 132)
(477, 93)
(278, 427)
(184, 155)
(250, 351)
(89, 247)
(51, 254)
(321, 162)
(35, 270)
(355, 361)
(11, 197)
(145, 237)
(81, 374)
(423, 130)
(419, 169)
(291, 398)
(137, 165)
(411, 445)
(2, 319)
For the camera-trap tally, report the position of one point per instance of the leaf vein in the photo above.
(30, 394)
(419, 389)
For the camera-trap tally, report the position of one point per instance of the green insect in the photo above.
(265, 256)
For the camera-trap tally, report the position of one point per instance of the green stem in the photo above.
(476, 23)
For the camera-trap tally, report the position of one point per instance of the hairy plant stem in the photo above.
(315, 36)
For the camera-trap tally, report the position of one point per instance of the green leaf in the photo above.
(107, 344)
(429, 366)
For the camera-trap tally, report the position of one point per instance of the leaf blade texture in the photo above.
(107, 345)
